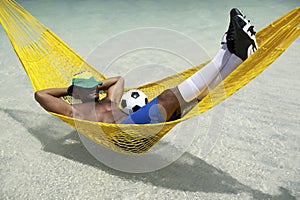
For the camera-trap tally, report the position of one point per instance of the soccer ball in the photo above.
(133, 100)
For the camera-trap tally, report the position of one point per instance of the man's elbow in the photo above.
(38, 96)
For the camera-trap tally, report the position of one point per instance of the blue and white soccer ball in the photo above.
(133, 100)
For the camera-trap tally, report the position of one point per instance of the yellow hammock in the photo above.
(49, 62)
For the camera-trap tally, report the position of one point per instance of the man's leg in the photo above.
(172, 99)
(198, 83)
(243, 46)
(231, 65)
(193, 86)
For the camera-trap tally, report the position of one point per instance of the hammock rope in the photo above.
(50, 63)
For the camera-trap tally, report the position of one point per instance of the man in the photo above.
(238, 45)
(86, 88)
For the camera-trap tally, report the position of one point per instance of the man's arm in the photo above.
(114, 87)
(50, 100)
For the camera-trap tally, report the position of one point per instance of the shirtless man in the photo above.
(86, 88)
(238, 45)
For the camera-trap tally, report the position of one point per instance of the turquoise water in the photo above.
(255, 156)
(202, 20)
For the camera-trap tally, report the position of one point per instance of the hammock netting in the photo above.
(50, 63)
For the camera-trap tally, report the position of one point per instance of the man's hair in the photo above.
(70, 90)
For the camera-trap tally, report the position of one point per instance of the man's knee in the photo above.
(168, 97)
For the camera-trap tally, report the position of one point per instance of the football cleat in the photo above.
(244, 37)
(228, 37)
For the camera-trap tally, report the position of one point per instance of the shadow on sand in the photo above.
(180, 175)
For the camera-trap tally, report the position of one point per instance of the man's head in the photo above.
(84, 86)
(84, 79)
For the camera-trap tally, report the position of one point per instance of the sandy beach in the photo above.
(256, 151)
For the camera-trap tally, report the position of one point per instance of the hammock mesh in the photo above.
(50, 63)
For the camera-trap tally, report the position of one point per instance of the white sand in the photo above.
(255, 157)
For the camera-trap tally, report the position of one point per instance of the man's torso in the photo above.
(101, 111)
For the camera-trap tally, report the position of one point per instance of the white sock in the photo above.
(198, 82)
(231, 65)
